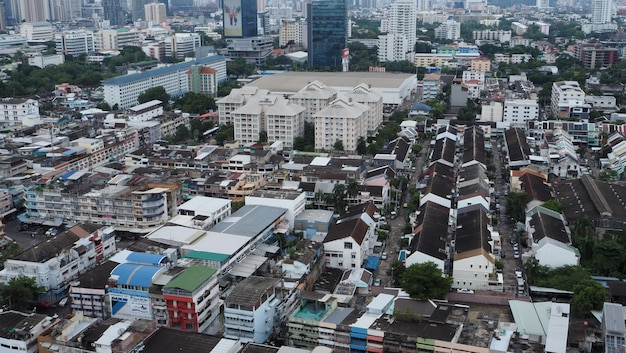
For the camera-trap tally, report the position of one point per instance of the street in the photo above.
(397, 225)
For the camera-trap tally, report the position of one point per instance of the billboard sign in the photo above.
(233, 21)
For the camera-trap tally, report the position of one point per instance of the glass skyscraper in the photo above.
(327, 32)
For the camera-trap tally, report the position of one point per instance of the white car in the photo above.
(383, 256)
(63, 302)
(518, 273)
(465, 290)
(377, 282)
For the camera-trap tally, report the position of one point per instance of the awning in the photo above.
(372, 263)
(53, 223)
(23, 217)
(248, 266)
(9, 212)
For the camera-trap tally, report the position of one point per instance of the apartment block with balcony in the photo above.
(88, 294)
(293, 31)
(518, 111)
(565, 94)
(314, 97)
(236, 99)
(192, 299)
(342, 120)
(57, 261)
(19, 111)
(250, 310)
(365, 95)
(304, 322)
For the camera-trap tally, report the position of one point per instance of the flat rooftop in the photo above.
(251, 290)
(250, 220)
(295, 81)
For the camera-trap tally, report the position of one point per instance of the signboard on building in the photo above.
(233, 22)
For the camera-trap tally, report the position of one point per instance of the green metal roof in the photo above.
(191, 278)
(207, 256)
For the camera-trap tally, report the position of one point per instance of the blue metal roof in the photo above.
(145, 259)
(120, 80)
(67, 175)
(372, 263)
(421, 106)
(135, 274)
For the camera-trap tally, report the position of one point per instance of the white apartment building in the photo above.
(450, 29)
(42, 61)
(491, 34)
(342, 120)
(473, 75)
(37, 31)
(518, 111)
(293, 31)
(363, 94)
(431, 86)
(74, 42)
(314, 97)
(146, 111)
(32, 325)
(181, 44)
(58, 260)
(116, 39)
(155, 13)
(250, 310)
(277, 116)
(402, 22)
(124, 90)
(207, 210)
(518, 28)
(392, 47)
(236, 99)
(564, 92)
(601, 11)
(19, 111)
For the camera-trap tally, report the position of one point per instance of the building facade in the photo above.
(327, 32)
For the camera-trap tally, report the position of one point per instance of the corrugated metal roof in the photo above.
(208, 256)
(135, 274)
(145, 258)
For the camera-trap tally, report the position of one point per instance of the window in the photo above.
(347, 245)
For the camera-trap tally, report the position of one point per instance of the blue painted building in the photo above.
(129, 287)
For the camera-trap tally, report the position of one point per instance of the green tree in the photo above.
(395, 271)
(338, 146)
(361, 147)
(21, 292)
(195, 103)
(182, 133)
(589, 295)
(516, 205)
(425, 281)
(225, 133)
(153, 93)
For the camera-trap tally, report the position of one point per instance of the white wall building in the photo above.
(42, 61)
(155, 13)
(37, 31)
(402, 22)
(29, 326)
(58, 260)
(293, 202)
(124, 90)
(314, 97)
(365, 95)
(19, 111)
(492, 111)
(74, 42)
(293, 31)
(518, 111)
(448, 30)
(564, 92)
(146, 111)
(392, 47)
(343, 121)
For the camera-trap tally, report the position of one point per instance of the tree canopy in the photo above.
(195, 103)
(157, 92)
(425, 281)
(21, 292)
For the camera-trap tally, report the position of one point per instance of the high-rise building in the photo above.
(112, 11)
(137, 9)
(327, 32)
(601, 11)
(34, 10)
(240, 18)
(402, 22)
(65, 10)
(155, 13)
(181, 5)
(423, 5)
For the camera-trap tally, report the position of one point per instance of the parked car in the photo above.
(63, 302)
(465, 290)
(518, 272)
(502, 254)
(377, 282)
(51, 232)
(516, 254)
(383, 256)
